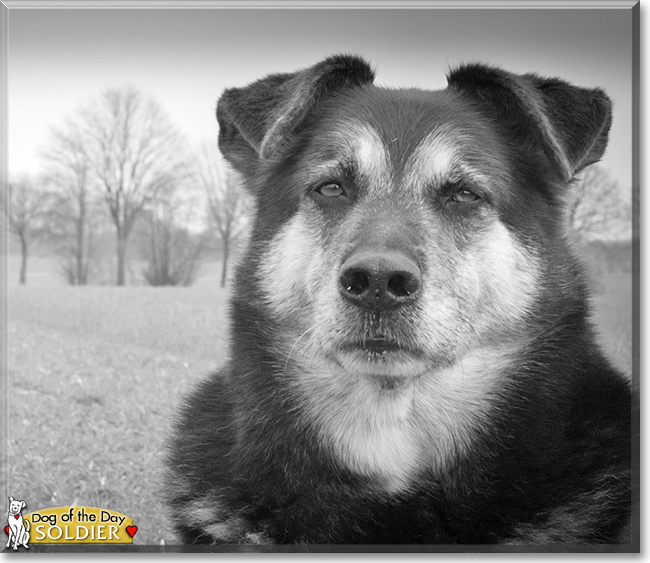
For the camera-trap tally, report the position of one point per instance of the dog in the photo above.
(17, 527)
(411, 358)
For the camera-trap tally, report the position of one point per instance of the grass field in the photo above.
(94, 374)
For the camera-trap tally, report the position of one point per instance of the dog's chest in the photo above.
(379, 434)
(391, 437)
(392, 451)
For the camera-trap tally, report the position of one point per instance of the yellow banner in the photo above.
(79, 524)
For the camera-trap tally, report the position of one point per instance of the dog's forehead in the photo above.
(426, 135)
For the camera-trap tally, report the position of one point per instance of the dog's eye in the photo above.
(464, 196)
(330, 190)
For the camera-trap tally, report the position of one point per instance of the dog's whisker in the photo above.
(314, 327)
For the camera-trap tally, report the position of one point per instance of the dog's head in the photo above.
(15, 506)
(397, 231)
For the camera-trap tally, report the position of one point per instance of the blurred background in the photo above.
(124, 222)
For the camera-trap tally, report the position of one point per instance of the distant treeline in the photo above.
(610, 257)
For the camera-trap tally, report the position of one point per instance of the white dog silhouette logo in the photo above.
(16, 525)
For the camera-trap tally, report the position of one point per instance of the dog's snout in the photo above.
(379, 280)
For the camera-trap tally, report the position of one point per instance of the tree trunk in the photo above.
(121, 256)
(23, 262)
(80, 253)
(224, 262)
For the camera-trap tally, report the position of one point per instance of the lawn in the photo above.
(612, 316)
(95, 373)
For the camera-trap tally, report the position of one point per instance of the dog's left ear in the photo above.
(570, 124)
(258, 121)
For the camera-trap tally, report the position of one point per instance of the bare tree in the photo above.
(228, 204)
(598, 208)
(173, 254)
(74, 205)
(135, 154)
(26, 211)
(171, 239)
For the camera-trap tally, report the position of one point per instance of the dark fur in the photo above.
(552, 467)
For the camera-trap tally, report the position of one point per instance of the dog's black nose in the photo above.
(379, 280)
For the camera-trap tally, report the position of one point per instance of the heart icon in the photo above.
(7, 529)
(16, 516)
(131, 530)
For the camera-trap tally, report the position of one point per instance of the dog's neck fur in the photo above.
(394, 435)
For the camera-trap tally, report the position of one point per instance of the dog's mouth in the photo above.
(382, 359)
(379, 347)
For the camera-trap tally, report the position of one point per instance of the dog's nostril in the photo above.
(356, 282)
(402, 285)
(397, 285)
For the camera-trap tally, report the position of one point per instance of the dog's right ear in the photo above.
(257, 122)
(11, 499)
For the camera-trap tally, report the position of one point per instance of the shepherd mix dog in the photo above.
(411, 357)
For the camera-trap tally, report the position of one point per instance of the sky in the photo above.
(61, 59)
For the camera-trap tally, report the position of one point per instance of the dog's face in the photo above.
(15, 506)
(398, 230)
(398, 258)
